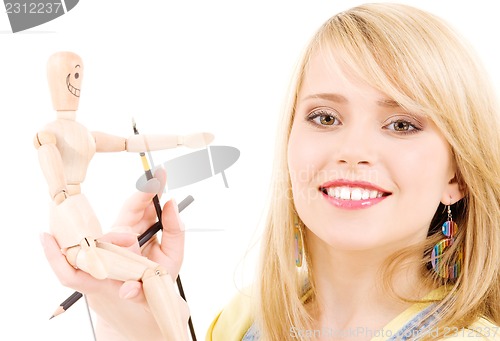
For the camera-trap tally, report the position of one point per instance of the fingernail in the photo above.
(131, 293)
(176, 210)
(176, 207)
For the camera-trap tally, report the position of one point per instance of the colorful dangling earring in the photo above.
(449, 229)
(299, 245)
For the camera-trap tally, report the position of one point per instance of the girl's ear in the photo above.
(453, 193)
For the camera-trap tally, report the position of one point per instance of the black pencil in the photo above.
(143, 238)
(67, 303)
(150, 232)
(156, 201)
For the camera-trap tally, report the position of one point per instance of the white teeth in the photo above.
(345, 193)
(356, 194)
(352, 193)
(336, 193)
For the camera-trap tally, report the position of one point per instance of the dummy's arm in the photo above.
(142, 143)
(52, 165)
(109, 143)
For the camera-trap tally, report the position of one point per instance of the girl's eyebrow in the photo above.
(337, 98)
(332, 97)
(390, 103)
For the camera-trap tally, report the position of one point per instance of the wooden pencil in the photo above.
(67, 303)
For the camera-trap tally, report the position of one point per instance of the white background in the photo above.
(176, 67)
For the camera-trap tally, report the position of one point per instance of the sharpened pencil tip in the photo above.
(58, 311)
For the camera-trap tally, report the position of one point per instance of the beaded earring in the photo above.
(299, 244)
(452, 271)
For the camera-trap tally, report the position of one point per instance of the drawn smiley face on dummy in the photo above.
(71, 79)
(65, 73)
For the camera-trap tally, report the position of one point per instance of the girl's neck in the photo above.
(350, 291)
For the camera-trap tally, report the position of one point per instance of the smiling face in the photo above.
(64, 73)
(365, 173)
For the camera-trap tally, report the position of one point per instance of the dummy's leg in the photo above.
(121, 264)
(158, 288)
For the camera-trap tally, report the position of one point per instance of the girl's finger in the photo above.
(67, 275)
(134, 208)
(172, 238)
(132, 290)
(161, 176)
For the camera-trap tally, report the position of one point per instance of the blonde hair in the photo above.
(420, 62)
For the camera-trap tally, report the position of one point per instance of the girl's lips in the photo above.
(353, 194)
(353, 204)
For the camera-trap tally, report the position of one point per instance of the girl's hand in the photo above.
(121, 307)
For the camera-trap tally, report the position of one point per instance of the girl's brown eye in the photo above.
(323, 118)
(327, 120)
(401, 126)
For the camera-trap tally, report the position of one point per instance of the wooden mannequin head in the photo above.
(65, 73)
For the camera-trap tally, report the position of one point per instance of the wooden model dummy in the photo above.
(65, 149)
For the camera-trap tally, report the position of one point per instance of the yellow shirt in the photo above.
(233, 322)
